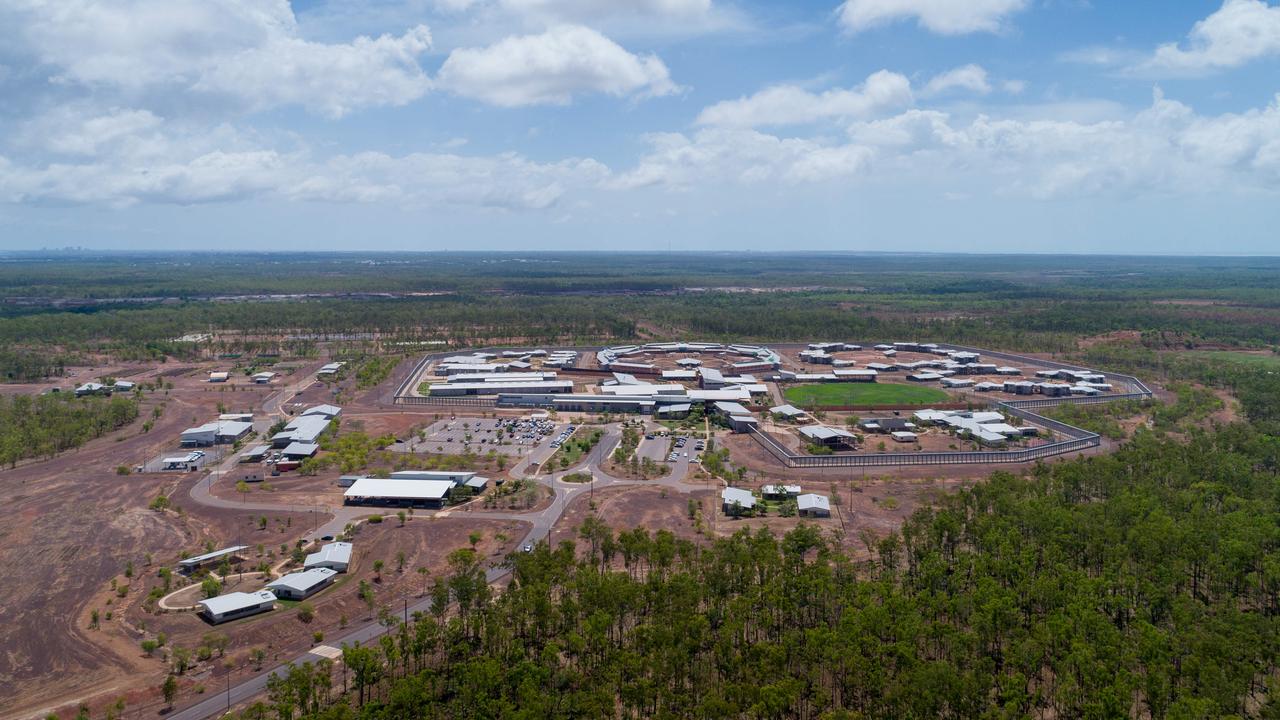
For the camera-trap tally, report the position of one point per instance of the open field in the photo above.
(842, 394)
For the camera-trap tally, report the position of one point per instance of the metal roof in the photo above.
(339, 552)
(822, 432)
(732, 408)
(399, 489)
(812, 501)
(743, 498)
(327, 410)
(198, 559)
(301, 582)
(787, 410)
(231, 602)
(302, 449)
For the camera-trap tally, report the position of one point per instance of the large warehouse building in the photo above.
(387, 492)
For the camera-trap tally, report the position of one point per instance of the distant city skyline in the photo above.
(968, 126)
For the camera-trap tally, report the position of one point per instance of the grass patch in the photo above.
(840, 394)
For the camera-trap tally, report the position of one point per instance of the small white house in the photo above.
(779, 492)
(236, 605)
(736, 500)
(813, 505)
(335, 556)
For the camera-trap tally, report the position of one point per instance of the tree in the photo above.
(169, 689)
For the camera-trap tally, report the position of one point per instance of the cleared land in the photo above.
(843, 394)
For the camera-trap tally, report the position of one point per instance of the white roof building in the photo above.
(780, 490)
(737, 498)
(328, 411)
(376, 491)
(813, 505)
(236, 605)
(822, 433)
(301, 585)
(198, 560)
(787, 411)
(298, 450)
(335, 556)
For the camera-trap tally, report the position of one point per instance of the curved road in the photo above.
(217, 702)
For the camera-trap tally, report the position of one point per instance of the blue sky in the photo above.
(920, 125)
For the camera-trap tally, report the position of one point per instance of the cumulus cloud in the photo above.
(944, 17)
(968, 77)
(128, 157)
(793, 105)
(1166, 148)
(551, 67)
(737, 155)
(249, 51)
(1237, 33)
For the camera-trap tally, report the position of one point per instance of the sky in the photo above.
(1057, 126)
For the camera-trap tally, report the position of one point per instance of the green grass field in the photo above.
(838, 394)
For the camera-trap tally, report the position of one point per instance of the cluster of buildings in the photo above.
(736, 501)
(821, 353)
(227, 429)
(493, 383)
(630, 358)
(319, 571)
(988, 428)
(330, 368)
(306, 429)
(95, 388)
(411, 488)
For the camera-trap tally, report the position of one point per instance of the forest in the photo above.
(44, 425)
(1140, 584)
(140, 307)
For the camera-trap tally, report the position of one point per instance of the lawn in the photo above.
(839, 394)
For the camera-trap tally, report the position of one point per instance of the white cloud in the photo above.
(1165, 149)
(1237, 33)
(332, 79)
(247, 50)
(944, 17)
(792, 105)
(585, 10)
(738, 155)
(128, 157)
(968, 77)
(550, 68)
